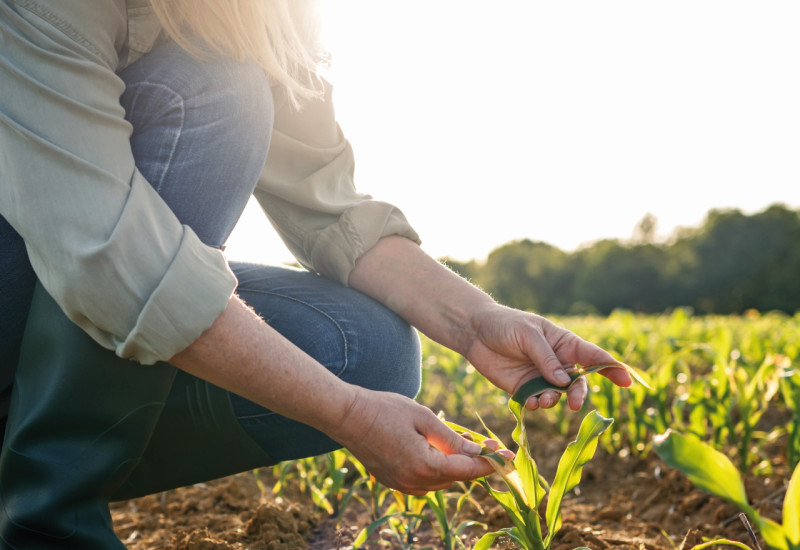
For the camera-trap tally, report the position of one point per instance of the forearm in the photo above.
(243, 354)
(441, 304)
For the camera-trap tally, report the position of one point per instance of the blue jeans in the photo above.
(202, 143)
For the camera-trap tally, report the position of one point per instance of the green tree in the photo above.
(744, 262)
(612, 275)
(529, 275)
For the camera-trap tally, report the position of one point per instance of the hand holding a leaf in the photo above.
(511, 347)
(407, 447)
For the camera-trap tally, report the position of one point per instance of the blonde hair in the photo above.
(281, 35)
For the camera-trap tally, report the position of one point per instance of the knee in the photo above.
(353, 336)
(232, 96)
(392, 355)
(411, 381)
(237, 97)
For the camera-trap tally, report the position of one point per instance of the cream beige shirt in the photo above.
(100, 239)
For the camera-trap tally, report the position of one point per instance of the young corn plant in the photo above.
(713, 472)
(322, 477)
(753, 395)
(790, 390)
(406, 514)
(448, 526)
(377, 494)
(327, 481)
(526, 487)
(401, 520)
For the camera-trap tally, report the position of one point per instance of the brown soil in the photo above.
(621, 503)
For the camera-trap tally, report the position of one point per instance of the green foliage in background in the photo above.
(732, 263)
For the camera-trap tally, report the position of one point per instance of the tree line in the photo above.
(731, 263)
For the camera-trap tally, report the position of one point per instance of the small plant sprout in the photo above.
(447, 525)
(713, 472)
(526, 487)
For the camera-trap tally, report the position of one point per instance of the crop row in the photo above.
(723, 384)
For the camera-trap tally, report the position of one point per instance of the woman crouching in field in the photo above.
(133, 357)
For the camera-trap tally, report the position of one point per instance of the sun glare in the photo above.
(564, 122)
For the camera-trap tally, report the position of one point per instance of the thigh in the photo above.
(355, 337)
(201, 131)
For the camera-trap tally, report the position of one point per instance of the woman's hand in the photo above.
(405, 446)
(509, 347)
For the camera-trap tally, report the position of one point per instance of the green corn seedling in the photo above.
(526, 487)
(790, 390)
(327, 483)
(405, 515)
(713, 472)
(377, 493)
(753, 395)
(402, 519)
(447, 526)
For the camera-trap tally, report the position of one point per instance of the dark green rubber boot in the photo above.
(80, 421)
(196, 439)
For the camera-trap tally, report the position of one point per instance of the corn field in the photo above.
(719, 404)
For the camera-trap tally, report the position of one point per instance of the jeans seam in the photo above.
(178, 127)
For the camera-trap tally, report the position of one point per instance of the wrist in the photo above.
(466, 324)
(354, 419)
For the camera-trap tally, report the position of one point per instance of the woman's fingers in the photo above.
(446, 440)
(577, 393)
(408, 448)
(618, 376)
(545, 400)
(543, 354)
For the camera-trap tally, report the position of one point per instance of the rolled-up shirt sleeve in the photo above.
(307, 191)
(99, 237)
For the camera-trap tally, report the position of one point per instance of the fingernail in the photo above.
(471, 448)
(562, 377)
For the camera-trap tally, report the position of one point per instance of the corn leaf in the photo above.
(791, 509)
(532, 490)
(538, 386)
(474, 436)
(367, 531)
(487, 540)
(518, 518)
(774, 535)
(519, 473)
(718, 542)
(436, 502)
(488, 431)
(570, 466)
(706, 467)
(503, 466)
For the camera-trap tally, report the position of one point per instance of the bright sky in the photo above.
(563, 121)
